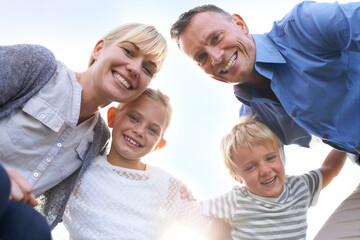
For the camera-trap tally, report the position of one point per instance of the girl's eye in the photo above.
(133, 118)
(154, 131)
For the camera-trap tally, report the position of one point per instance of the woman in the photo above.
(50, 126)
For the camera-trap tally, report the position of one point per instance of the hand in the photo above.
(21, 189)
(185, 193)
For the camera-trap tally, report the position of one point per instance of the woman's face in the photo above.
(121, 71)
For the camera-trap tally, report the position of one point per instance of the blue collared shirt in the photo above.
(312, 57)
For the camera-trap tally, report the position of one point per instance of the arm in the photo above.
(331, 166)
(23, 69)
(21, 189)
(332, 25)
(218, 230)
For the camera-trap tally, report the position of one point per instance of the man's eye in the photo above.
(215, 38)
(201, 59)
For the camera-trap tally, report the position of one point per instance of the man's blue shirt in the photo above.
(312, 57)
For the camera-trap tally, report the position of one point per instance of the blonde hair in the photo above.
(249, 132)
(140, 33)
(157, 96)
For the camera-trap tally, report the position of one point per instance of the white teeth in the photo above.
(230, 63)
(269, 181)
(132, 141)
(122, 80)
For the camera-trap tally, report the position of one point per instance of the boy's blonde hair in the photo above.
(140, 33)
(249, 132)
(157, 96)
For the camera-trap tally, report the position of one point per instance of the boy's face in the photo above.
(261, 170)
(137, 129)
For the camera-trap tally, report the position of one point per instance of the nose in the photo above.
(264, 170)
(216, 55)
(134, 67)
(139, 130)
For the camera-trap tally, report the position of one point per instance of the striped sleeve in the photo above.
(313, 179)
(222, 207)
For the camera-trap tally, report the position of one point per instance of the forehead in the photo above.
(201, 26)
(151, 110)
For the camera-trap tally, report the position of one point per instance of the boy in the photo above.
(269, 205)
(120, 197)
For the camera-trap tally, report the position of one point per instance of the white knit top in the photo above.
(113, 202)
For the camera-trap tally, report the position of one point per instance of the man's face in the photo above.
(222, 47)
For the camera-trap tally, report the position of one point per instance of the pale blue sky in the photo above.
(203, 109)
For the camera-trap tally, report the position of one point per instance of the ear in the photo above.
(160, 144)
(111, 114)
(240, 22)
(236, 178)
(98, 49)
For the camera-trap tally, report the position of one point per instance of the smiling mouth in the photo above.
(121, 80)
(230, 64)
(132, 141)
(269, 181)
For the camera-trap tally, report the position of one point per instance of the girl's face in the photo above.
(261, 170)
(137, 130)
(121, 71)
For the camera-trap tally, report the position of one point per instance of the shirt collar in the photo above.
(266, 54)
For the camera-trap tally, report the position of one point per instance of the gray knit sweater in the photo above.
(24, 70)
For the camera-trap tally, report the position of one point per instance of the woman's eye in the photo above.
(128, 51)
(148, 71)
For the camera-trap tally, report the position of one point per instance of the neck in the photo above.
(90, 101)
(118, 160)
(263, 85)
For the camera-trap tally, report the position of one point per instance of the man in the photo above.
(301, 78)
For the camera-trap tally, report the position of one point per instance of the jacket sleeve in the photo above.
(24, 70)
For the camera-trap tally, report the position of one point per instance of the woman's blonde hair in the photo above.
(139, 33)
(249, 132)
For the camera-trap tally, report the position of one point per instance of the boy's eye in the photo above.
(249, 168)
(270, 158)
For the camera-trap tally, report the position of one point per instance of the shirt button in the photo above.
(42, 115)
(47, 159)
(325, 136)
(59, 145)
(293, 114)
(36, 174)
